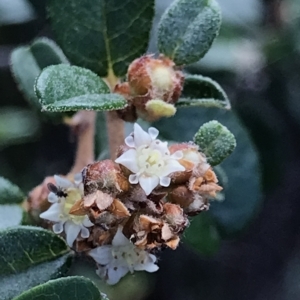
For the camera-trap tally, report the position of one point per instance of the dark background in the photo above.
(263, 81)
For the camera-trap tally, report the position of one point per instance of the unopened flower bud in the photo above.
(181, 195)
(157, 109)
(151, 79)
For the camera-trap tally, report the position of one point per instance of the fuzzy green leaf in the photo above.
(69, 288)
(9, 192)
(27, 63)
(17, 126)
(15, 284)
(103, 36)
(202, 91)
(188, 29)
(203, 235)
(10, 215)
(25, 246)
(215, 141)
(71, 88)
(242, 190)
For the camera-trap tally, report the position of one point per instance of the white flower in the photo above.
(63, 185)
(116, 260)
(58, 213)
(149, 159)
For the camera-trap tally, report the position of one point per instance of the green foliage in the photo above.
(14, 12)
(15, 284)
(70, 88)
(69, 288)
(202, 91)
(17, 126)
(10, 193)
(203, 235)
(10, 215)
(243, 192)
(105, 35)
(188, 29)
(215, 141)
(27, 63)
(25, 246)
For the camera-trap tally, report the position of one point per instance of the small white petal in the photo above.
(120, 239)
(128, 159)
(149, 267)
(133, 178)
(52, 198)
(53, 213)
(153, 258)
(141, 137)
(129, 141)
(86, 222)
(115, 274)
(177, 155)
(72, 230)
(171, 167)
(58, 227)
(78, 178)
(148, 184)
(164, 181)
(63, 182)
(84, 233)
(102, 255)
(153, 132)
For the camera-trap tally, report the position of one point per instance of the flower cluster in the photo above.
(121, 211)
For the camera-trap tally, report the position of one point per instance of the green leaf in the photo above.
(202, 91)
(69, 288)
(14, 12)
(27, 63)
(187, 30)
(10, 215)
(25, 246)
(215, 141)
(10, 193)
(17, 126)
(100, 102)
(15, 284)
(71, 88)
(242, 192)
(203, 235)
(104, 37)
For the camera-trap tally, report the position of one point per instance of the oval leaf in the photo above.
(203, 235)
(9, 192)
(242, 191)
(15, 284)
(71, 88)
(17, 126)
(188, 29)
(215, 141)
(26, 246)
(104, 37)
(27, 63)
(10, 215)
(202, 91)
(69, 288)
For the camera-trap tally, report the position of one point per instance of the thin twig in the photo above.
(83, 124)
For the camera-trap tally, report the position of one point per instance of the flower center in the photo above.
(150, 160)
(73, 195)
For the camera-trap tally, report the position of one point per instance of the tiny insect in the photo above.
(54, 189)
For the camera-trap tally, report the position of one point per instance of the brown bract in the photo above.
(105, 176)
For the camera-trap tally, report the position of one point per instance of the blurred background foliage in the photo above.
(249, 243)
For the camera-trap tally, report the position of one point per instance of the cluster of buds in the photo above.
(153, 87)
(121, 212)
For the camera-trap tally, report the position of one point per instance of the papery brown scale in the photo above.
(181, 195)
(106, 176)
(78, 209)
